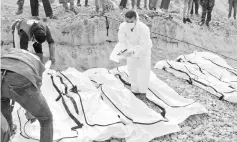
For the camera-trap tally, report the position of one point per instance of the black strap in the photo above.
(74, 90)
(71, 98)
(79, 124)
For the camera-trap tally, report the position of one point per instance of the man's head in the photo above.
(38, 33)
(131, 16)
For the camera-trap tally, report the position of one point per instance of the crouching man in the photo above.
(21, 77)
(26, 30)
(136, 36)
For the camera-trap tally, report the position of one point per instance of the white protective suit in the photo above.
(138, 64)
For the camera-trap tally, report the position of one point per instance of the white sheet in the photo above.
(207, 71)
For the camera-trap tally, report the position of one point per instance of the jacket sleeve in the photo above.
(145, 42)
(121, 34)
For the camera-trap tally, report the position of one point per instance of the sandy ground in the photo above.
(220, 124)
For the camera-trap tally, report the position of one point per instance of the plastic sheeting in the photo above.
(207, 71)
(176, 107)
(105, 107)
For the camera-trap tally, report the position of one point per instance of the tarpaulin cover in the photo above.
(207, 71)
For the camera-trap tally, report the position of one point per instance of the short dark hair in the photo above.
(130, 14)
(40, 35)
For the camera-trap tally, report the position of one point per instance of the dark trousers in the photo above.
(196, 4)
(232, 4)
(5, 130)
(206, 13)
(123, 3)
(22, 91)
(79, 1)
(34, 4)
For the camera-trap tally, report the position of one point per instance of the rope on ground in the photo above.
(182, 41)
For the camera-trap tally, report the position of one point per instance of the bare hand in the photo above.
(30, 117)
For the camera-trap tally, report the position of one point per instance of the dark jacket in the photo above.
(25, 64)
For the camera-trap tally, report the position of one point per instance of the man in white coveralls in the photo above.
(135, 36)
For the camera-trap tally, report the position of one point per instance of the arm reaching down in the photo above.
(51, 45)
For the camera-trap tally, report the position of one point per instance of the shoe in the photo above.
(74, 10)
(234, 17)
(184, 20)
(53, 17)
(19, 11)
(86, 5)
(188, 20)
(207, 24)
(78, 4)
(138, 7)
(201, 23)
(36, 17)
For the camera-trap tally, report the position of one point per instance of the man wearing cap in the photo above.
(25, 30)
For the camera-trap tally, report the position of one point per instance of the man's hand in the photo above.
(52, 60)
(30, 117)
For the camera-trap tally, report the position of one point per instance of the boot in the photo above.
(188, 20)
(184, 20)
(20, 10)
(65, 5)
(78, 3)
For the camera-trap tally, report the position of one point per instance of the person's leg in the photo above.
(230, 8)
(5, 130)
(191, 9)
(20, 4)
(78, 3)
(97, 7)
(196, 6)
(47, 8)
(72, 5)
(34, 5)
(144, 75)
(138, 4)
(6, 109)
(185, 8)
(204, 13)
(235, 8)
(145, 4)
(132, 66)
(30, 98)
(133, 3)
(209, 11)
(86, 3)
(190, 3)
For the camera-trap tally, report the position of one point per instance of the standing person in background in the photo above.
(20, 4)
(65, 5)
(196, 4)
(99, 3)
(232, 4)
(207, 7)
(5, 130)
(165, 5)
(123, 4)
(34, 5)
(138, 4)
(26, 30)
(186, 11)
(79, 3)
